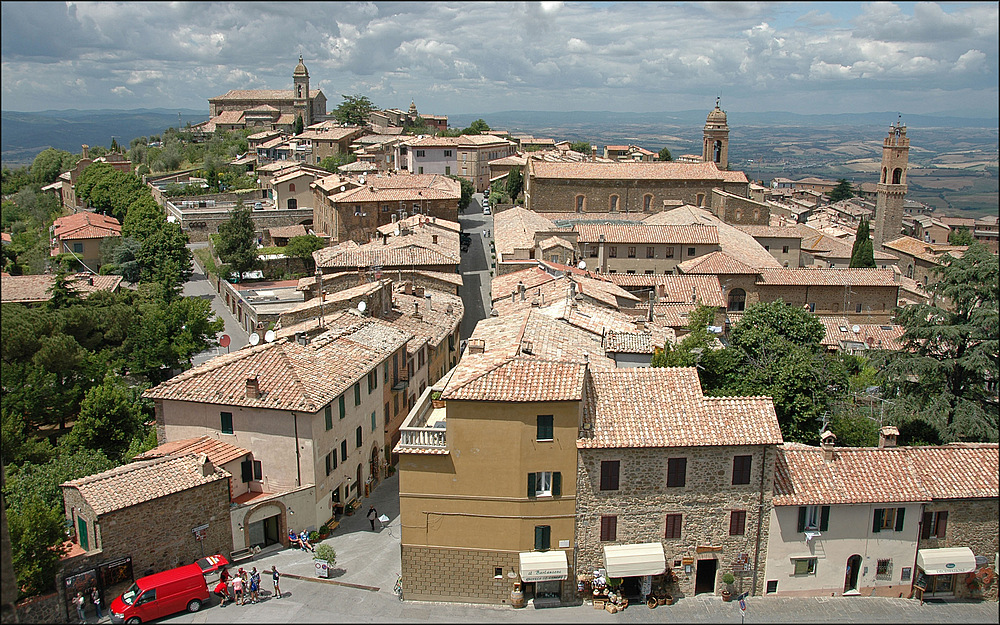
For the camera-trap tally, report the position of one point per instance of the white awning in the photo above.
(946, 561)
(634, 560)
(543, 566)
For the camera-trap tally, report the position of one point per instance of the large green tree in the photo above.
(863, 251)
(49, 163)
(237, 242)
(960, 236)
(950, 357)
(664, 155)
(467, 190)
(110, 417)
(842, 191)
(304, 246)
(689, 351)
(515, 183)
(583, 147)
(354, 110)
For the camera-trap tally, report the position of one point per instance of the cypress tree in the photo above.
(863, 252)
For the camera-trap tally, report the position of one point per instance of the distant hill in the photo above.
(23, 135)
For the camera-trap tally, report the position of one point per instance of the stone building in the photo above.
(891, 188)
(715, 141)
(688, 476)
(424, 246)
(587, 187)
(120, 512)
(643, 248)
(269, 108)
(920, 260)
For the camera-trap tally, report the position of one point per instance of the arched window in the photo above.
(737, 300)
(717, 151)
(885, 172)
(580, 203)
(756, 214)
(897, 176)
(739, 214)
(647, 202)
(909, 271)
(700, 199)
(613, 204)
(291, 187)
(299, 91)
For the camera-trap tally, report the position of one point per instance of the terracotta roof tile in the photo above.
(675, 288)
(876, 336)
(515, 229)
(218, 452)
(86, 225)
(35, 288)
(138, 482)
(732, 240)
(635, 171)
(646, 233)
(828, 277)
(959, 470)
(930, 252)
(718, 263)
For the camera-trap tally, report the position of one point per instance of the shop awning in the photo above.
(946, 561)
(634, 560)
(543, 566)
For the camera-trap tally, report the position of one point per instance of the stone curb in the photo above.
(330, 581)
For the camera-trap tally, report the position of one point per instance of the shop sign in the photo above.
(543, 575)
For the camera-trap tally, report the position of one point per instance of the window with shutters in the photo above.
(357, 393)
(329, 463)
(545, 484)
(258, 473)
(543, 537)
(372, 380)
(609, 474)
(343, 451)
(329, 417)
(227, 422)
(737, 522)
(934, 524)
(673, 526)
(812, 517)
(668, 252)
(609, 528)
(613, 251)
(357, 436)
(888, 519)
(650, 251)
(246, 470)
(690, 251)
(741, 469)
(631, 251)
(543, 427)
(387, 414)
(343, 407)
(676, 472)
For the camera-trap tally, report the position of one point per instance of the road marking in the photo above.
(330, 581)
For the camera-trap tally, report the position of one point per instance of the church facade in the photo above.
(268, 109)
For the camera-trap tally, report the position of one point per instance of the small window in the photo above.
(257, 471)
(804, 566)
(741, 469)
(329, 463)
(647, 202)
(812, 307)
(690, 251)
(372, 380)
(673, 526)
(609, 474)
(883, 569)
(358, 433)
(543, 428)
(544, 484)
(668, 252)
(631, 251)
(498, 572)
(291, 187)
(343, 451)
(78, 248)
(784, 249)
(676, 472)
(650, 251)
(357, 393)
(613, 207)
(737, 522)
(420, 170)
(772, 586)
(888, 519)
(419, 153)
(613, 251)
(609, 528)
(447, 152)
(543, 537)
(857, 308)
(343, 407)
(374, 425)
(227, 422)
(580, 203)
(447, 170)
(329, 417)
(934, 524)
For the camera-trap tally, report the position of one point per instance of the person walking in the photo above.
(78, 602)
(275, 575)
(254, 585)
(372, 515)
(95, 596)
(238, 589)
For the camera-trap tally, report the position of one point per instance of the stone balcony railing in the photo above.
(418, 430)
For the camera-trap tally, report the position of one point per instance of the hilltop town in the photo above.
(581, 373)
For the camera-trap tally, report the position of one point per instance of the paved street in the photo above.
(369, 562)
(475, 266)
(199, 286)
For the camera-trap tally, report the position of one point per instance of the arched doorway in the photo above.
(737, 300)
(851, 576)
(373, 465)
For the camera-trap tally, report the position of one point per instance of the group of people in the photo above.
(301, 540)
(80, 602)
(244, 588)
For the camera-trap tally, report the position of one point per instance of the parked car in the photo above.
(161, 594)
(486, 210)
(212, 564)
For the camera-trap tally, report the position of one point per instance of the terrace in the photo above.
(424, 430)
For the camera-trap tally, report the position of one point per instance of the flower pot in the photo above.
(727, 595)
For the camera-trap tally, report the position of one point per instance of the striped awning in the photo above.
(543, 566)
(634, 560)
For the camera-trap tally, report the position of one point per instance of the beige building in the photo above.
(671, 480)
(420, 246)
(784, 243)
(475, 153)
(643, 248)
(309, 410)
(863, 295)
(268, 108)
(628, 153)
(920, 260)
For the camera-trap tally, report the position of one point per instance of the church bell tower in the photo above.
(891, 187)
(300, 92)
(715, 147)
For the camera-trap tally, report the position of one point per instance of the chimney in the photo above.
(434, 239)
(416, 311)
(429, 305)
(207, 468)
(418, 291)
(86, 150)
(534, 302)
(694, 295)
(408, 287)
(887, 437)
(253, 387)
(826, 442)
(476, 346)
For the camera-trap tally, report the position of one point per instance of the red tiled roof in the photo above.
(717, 263)
(827, 277)
(218, 452)
(522, 380)
(35, 288)
(646, 233)
(86, 225)
(635, 171)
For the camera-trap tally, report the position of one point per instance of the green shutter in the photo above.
(824, 518)
(877, 521)
(556, 484)
(802, 519)
(531, 485)
(899, 519)
(343, 409)
(329, 417)
(540, 537)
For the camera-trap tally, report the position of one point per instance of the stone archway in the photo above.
(258, 513)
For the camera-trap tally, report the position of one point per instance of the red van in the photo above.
(161, 594)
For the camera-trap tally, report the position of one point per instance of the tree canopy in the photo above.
(354, 110)
(863, 252)
(304, 246)
(664, 155)
(842, 191)
(237, 242)
(467, 190)
(960, 236)
(515, 183)
(582, 147)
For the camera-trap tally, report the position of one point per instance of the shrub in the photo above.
(727, 578)
(325, 552)
(313, 536)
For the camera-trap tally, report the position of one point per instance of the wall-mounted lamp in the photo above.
(240, 525)
(290, 511)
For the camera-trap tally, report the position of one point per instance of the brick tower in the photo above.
(300, 87)
(715, 147)
(891, 188)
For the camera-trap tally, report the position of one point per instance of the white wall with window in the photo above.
(819, 550)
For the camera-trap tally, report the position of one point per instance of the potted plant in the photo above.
(727, 592)
(324, 531)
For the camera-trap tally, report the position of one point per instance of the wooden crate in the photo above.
(600, 603)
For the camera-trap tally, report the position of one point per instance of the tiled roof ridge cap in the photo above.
(215, 364)
(117, 471)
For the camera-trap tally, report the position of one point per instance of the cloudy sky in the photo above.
(470, 57)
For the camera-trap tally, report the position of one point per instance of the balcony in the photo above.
(423, 430)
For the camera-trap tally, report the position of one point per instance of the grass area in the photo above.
(204, 256)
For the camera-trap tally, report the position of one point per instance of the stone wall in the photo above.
(734, 209)
(198, 224)
(42, 609)
(547, 195)
(972, 523)
(642, 502)
(877, 303)
(465, 575)
(342, 221)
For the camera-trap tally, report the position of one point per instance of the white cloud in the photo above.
(120, 90)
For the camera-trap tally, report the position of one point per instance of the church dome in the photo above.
(717, 116)
(300, 69)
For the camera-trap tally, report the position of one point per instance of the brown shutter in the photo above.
(942, 523)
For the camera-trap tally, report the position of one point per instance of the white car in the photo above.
(486, 210)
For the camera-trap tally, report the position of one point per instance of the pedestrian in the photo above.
(95, 596)
(238, 590)
(78, 601)
(254, 585)
(224, 576)
(274, 578)
(220, 590)
(372, 515)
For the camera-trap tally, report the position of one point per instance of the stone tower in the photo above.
(891, 187)
(715, 147)
(300, 92)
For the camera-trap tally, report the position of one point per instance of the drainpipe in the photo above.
(920, 532)
(298, 468)
(760, 521)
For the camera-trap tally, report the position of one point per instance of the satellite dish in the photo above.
(362, 306)
(396, 231)
(361, 179)
(254, 338)
(343, 188)
(583, 264)
(269, 336)
(855, 328)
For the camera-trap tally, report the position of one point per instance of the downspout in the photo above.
(298, 468)
(920, 532)
(760, 522)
